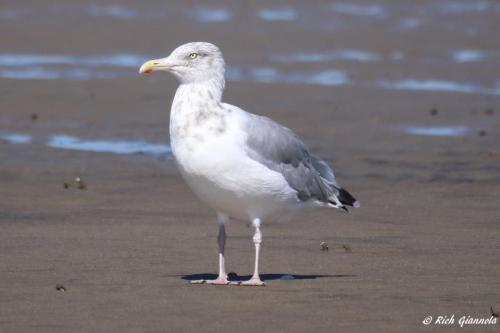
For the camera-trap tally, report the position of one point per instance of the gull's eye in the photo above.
(193, 55)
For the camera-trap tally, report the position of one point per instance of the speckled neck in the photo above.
(197, 111)
(200, 94)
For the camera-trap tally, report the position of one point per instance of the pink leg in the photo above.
(257, 239)
(221, 239)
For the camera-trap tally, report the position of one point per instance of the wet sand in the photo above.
(425, 241)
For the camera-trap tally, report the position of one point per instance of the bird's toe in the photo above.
(218, 281)
(197, 281)
(253, 282)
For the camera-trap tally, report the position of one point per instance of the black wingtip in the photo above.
(347, 199)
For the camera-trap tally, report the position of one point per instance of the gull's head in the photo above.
(191, 62)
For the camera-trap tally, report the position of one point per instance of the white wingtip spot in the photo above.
(356, 204)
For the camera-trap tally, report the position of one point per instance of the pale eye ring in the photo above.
(193, 55)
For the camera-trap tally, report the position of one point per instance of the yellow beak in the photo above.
(149, 66)
(164, 64)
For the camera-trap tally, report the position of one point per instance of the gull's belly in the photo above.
(226, 179)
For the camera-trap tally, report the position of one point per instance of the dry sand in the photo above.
(426, 240)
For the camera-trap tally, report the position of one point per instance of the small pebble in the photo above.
(65, 185)
(34, 116)
(323, 246)
(492, 154)
(80, 184)
(482, 133)
(60, 287)
(347, 248)
(434, 112)
(489, 111)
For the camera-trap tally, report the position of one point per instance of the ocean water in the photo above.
(465, 62)
(107, 146)
(68, 142)
(331, 64)
(15, 138)
(277, 14)
(444, 131)
(32, 66)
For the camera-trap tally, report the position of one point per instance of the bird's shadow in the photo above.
(264, 277)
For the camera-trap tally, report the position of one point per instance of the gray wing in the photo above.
(281, 150)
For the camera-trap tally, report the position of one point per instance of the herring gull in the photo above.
(245, 166)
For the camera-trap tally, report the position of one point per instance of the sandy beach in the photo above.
(411, 129)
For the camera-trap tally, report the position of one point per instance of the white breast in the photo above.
(212, 159)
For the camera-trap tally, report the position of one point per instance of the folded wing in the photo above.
(281, 150)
